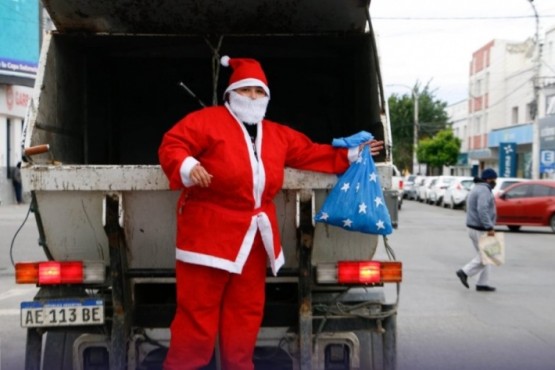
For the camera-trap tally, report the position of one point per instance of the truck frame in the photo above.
(110, 83)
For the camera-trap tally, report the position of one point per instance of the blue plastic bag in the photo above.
(356, 202)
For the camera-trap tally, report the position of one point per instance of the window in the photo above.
(550, 105)
(518, 192)
(514, 115)
(530, 111)
(542, 191)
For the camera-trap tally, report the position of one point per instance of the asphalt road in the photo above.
(23, 248)
(441, 324)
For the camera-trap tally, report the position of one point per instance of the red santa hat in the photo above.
(246, 72)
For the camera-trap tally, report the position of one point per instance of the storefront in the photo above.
(511, 147)
(547, 147)
(13, 107)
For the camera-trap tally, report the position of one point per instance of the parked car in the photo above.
(503, 183)
(438, 189)
(410, 188)
(456, 193)
(397, 184)
(528, 203)
(424, 189)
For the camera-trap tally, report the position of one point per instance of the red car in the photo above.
(530, 203)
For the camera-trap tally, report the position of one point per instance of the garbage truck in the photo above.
(113, 77)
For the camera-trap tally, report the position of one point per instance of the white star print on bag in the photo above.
(356, 202)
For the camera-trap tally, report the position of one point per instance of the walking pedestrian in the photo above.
(17, 185)
(480, 220)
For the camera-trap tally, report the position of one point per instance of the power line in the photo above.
(465, 18)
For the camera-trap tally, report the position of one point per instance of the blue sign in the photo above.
(521, 134)
(507, 159)
(19, 37)
(547, 161)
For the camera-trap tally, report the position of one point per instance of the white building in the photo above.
(13, 107)
(503, 78)
(458, 120)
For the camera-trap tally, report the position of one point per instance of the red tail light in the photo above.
(53, 272)
(367, 272)
(59, 272)
(360, 272)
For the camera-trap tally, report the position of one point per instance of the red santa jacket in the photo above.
(216, 225)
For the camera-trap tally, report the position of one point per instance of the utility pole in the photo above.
(536, 105)
(415, 165)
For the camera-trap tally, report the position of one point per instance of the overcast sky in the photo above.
(433, 40)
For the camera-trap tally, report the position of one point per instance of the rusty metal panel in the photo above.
(144, 177)
(72, 225)
(94, 178)
(208, 16)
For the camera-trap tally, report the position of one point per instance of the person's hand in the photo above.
(491, 232)
(375, 146)
(199, 176)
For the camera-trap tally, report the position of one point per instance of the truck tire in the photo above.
(389, 338)
(381, 353)
(58, 350)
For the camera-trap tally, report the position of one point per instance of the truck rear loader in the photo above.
(113, 78)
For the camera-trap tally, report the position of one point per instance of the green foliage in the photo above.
(441, 150)
(432, 118)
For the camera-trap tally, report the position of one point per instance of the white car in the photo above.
(438, 189)
(426, 189)
(455, 195)
(504, 182)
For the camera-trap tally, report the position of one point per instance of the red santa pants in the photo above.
(212, 301)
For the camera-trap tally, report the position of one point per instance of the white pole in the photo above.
(537, 88)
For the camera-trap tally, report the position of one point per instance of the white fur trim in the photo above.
(265, 227)
(185, 170)
(248, 82)
(225, 61)
(222, 263)
(353, 154)
(207, 260)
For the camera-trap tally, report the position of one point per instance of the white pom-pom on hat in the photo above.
(224, 61)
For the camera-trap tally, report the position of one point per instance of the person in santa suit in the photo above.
(229, 163)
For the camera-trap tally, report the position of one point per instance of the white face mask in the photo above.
(249, 111)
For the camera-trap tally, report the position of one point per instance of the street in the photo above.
(25, 248)
(441, 324)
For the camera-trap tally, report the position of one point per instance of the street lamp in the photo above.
(536, 105)
(415, 96)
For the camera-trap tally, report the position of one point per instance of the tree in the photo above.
(441, 150)
(432, 118)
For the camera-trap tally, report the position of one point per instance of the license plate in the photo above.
(67, 312)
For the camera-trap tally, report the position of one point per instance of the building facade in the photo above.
(511, 95)
(13, 107)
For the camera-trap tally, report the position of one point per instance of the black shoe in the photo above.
(485, 288)
(463, 278)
